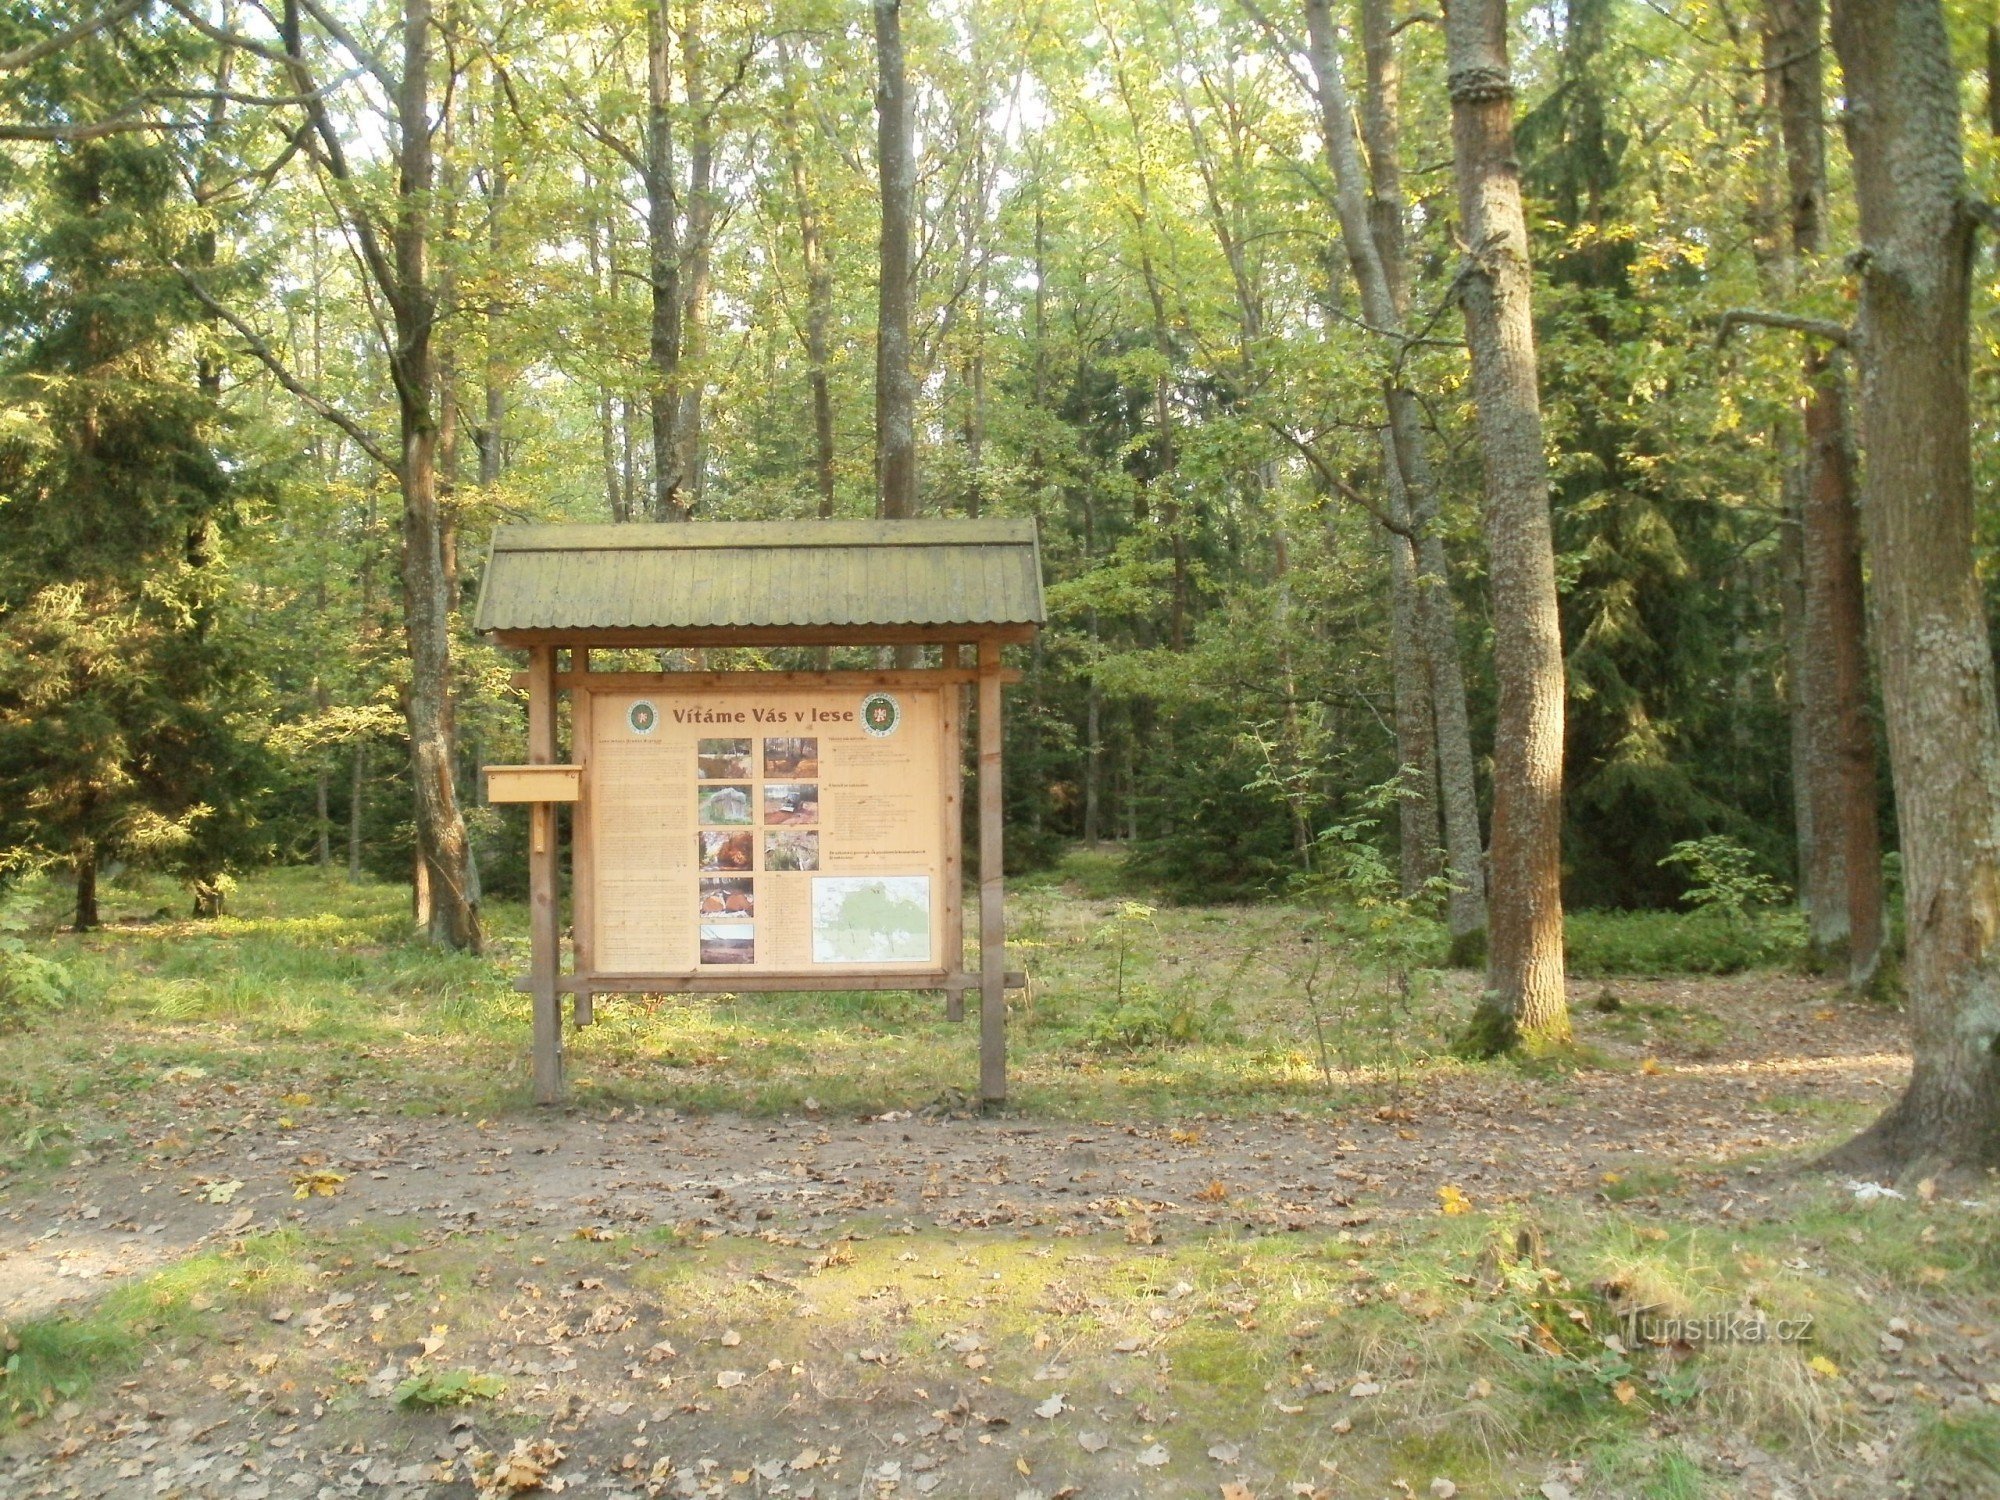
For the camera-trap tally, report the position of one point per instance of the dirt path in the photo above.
(1791, 1057)
(1685, 1106)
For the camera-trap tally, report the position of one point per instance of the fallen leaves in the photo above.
(1092, 1442)
(317, 1184)
(1452, 1200)
(530, 1466)
(1155, 1457)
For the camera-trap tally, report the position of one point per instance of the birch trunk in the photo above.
(1917, 234)
(1524, 1000)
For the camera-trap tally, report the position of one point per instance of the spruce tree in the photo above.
(119, 689)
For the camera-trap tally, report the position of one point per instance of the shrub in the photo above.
(31, 986)
(1663, 942)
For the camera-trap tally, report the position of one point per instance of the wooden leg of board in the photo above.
(586, 1002)
(544, 929)
(992, 888)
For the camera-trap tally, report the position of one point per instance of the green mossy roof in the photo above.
(706, 574)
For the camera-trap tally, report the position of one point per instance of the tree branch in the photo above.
(95, 130)
(224, 36)
(356, 48)
(34, 52)
(268, 357)
(1339, 485)
(1819, 328)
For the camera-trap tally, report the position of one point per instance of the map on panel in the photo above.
(866, 919)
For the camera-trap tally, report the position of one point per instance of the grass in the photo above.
(1483, 1331)
(1451, 1346)
(315, 982)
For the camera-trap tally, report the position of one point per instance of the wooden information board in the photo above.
(773, 838)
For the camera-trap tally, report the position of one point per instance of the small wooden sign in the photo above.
(533, 783)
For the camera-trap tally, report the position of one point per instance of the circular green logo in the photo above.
(880, 714)
(643, 717)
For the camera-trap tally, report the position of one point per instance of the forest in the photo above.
(1514, 487)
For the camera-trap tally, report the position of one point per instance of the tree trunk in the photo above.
(323, 817)
(86, 888)
(895, 387)
(1418, 831)
(355, 785)
(492, 430)
(1993, 77)
(1524, 1000)
(454, 914)
(1916, 232)
(1381, 302)
(819, 290)
(1837, 702)
(1812, 880)
(663, 251)
(1844, 877)
(697, 239)
(1093, 747)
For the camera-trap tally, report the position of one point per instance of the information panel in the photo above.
(769, 832)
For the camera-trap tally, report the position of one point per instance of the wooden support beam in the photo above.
(700, 636)
(612, 682)
(725, 984)
(992, 887)
(544, 927)
(579, 906)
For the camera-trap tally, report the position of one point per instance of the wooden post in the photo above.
(992, 887)
(954, 835)
(586, 1002)
(544, 930)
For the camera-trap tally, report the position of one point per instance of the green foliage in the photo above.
(1648, 942)
(1956, 1454)
(31, 984)
(1141, 1014)
(121, 693)
(435, 1388)
(51, 1360)
(1723, 877)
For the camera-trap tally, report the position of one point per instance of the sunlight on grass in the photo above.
(1130, 1010)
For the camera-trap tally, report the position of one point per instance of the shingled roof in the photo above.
(707, 577)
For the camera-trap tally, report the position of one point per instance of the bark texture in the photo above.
(895, 386)
(1524, 998)
(663, 259)
(819, 285)
(1373, 237)
(1915, 262)
(1841, 851)
(445, 885)
(427, 593)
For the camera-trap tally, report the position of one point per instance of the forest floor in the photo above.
(277, 1221)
